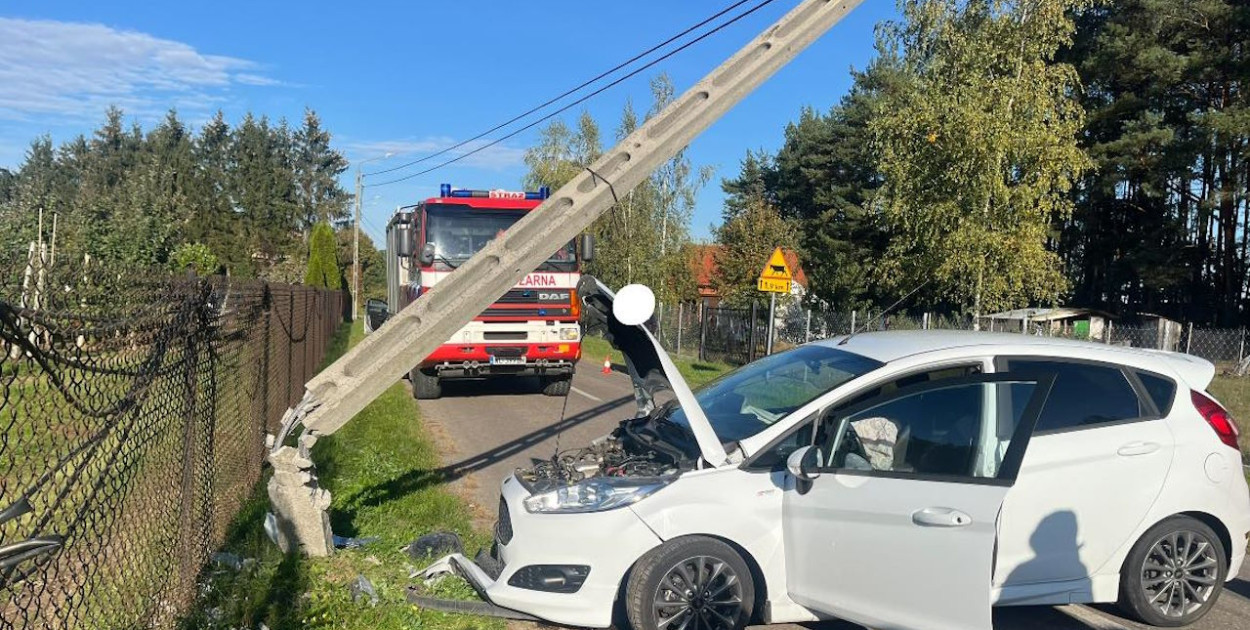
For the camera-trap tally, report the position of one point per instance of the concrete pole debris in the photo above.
(344, 388)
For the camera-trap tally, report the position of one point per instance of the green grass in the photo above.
(695, 372)
(382, 471)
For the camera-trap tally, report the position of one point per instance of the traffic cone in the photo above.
(607, 364)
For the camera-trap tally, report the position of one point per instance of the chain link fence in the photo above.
(133, 409)
(739, 335)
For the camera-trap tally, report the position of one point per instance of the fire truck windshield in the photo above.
(458, 232)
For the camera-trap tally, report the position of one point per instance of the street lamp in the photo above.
(360, 191)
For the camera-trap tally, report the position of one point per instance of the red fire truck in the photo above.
(532, 330)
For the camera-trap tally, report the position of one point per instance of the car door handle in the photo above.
(1138, 448)
(940, 517)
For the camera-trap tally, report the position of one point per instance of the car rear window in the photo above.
(1084, 394)
(1161, 390)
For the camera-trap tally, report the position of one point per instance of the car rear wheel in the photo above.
(690, 582)
(557, 385)
(425, 385)
(1174, 573)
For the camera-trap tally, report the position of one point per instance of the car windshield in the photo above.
(749, 399)
(458, 232)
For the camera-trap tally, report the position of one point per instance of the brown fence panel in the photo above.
(133, 410)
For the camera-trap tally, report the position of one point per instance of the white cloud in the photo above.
(497, 157)
(71, 70)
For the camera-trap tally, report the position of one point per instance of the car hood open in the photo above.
(649, 366)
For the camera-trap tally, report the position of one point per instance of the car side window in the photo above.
(1084, 394)
(952, 430)
(1161, 389)
(775, 455)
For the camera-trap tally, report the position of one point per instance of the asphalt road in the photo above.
(487, 429)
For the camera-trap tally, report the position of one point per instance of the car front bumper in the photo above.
(607, 542)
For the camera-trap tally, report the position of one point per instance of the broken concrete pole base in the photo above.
(300, 506)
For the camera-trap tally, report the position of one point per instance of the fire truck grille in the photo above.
(535, 313)
(535, 296)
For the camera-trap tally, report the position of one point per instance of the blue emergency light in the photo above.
(445, 191)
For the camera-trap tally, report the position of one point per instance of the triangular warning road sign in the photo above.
(776, 268)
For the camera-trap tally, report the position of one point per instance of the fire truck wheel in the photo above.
(425, 385)
(557, 385)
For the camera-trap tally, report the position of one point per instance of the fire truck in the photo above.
(532, 330)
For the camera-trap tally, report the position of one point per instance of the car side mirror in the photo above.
(427, 254)
(588, 248)
(805, 463)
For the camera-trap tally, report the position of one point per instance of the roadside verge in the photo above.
(381, 469)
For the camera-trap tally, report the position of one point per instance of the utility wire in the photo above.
(565, 94)
(579, 101)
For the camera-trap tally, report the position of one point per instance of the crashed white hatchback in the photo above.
(899, 480)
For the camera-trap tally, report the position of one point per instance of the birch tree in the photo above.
(978, 148)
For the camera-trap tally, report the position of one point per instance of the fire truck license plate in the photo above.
(494, 360)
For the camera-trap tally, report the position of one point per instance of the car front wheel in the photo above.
(1174, 573)
(690, 582)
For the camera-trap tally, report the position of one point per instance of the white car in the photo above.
(905, 480)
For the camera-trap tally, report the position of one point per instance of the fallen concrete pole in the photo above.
(344, 388)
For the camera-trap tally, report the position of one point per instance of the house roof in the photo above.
(705, 267)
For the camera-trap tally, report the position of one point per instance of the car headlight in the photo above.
(593, 495)
(569, 334)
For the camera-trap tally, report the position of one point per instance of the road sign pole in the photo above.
(772, 322)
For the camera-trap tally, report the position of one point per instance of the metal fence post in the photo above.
(267, 302)
(1189, 339)
(1106, 333)
(807, 330)
(290, 344)
(659, 324)
(853, 313)
(1241, 349)
(751, 334)
(702, 331)
(680, 308)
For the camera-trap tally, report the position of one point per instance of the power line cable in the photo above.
(578, 101)
(565, 94)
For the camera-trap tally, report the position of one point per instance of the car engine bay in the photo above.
(638, 447)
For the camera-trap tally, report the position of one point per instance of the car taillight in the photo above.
(1217, 417)
(575, 307)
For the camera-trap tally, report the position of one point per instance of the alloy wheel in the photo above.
(699, 593)
(1179, 573)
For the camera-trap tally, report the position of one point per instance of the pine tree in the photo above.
(317, 170)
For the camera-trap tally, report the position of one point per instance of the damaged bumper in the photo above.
(562, 568)
(457, 564)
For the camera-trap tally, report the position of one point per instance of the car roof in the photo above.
(888, 346)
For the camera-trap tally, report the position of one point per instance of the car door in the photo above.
(1100, 454)
(898, 528)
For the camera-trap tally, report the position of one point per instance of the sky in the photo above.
(406, 78)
